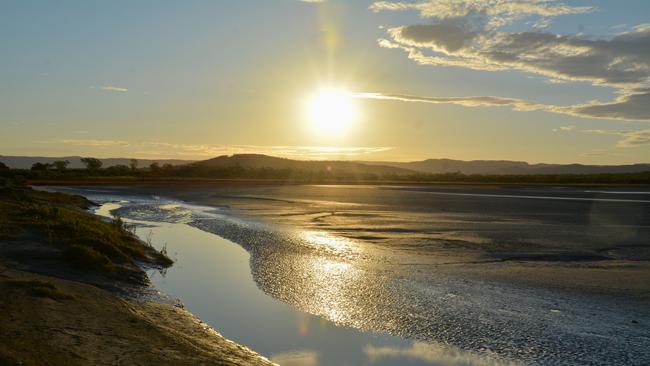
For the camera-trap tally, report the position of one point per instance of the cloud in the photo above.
(114, 89)
(593, 153)
(460, 8)
(95, 143)
(446, 38)
(564, 128)
(623, 61)
(160, 149)
(632, 107)
(163, 150)
(468, 34)
(470, 101)
(296, 358)
(630, 138)
(431, 353)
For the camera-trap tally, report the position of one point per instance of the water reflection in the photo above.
(339, 279)
(296, 358)
(334, 279)
(426, 352)
(325, 242)
(212, 277)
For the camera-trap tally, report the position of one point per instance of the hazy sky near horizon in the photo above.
(541, 81)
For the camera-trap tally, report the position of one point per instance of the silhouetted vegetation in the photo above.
(40, 166)
(86, 241)
(317, 175)
(92, 164)
(61, 165)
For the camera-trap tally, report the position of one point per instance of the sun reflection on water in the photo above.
(331, 282)
(323, 241)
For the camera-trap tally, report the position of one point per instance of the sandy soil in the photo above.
(96, 327)
(54, 311)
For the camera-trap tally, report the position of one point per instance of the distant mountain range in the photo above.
(25, 162)
(438, 166)
(433, 166)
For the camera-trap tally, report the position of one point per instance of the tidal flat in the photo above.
(531, 275)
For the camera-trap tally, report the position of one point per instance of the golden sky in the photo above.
(540, 81)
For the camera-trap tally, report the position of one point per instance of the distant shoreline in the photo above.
(189, 181)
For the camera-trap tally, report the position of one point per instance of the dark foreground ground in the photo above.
(67, 281)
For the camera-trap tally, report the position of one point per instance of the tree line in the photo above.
(93, 168)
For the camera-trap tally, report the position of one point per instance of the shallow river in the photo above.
(212, 277)
(342, 311)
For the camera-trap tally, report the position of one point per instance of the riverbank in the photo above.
(65, 276)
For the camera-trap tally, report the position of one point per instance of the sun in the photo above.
(331, 111)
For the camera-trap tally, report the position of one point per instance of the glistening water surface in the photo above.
(212, 277)
(427, 282)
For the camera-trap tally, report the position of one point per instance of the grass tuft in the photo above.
(86, 257)
(86, 240)
(41, 288)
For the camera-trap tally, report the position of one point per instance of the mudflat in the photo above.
(591, 239)
(541, 275)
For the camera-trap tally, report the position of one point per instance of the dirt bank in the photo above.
(56, 309)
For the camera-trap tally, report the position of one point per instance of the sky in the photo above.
(528, 80)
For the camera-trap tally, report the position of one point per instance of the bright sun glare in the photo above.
(331, 111)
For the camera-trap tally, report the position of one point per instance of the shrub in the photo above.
(87, 258)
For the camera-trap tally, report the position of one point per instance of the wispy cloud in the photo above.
(630, 138)
(622, 61)
(564, 128)
(95, 143)
(593, 153)
(468, 34)
(112, 88)
(167, 150)
(499, 12)
(633, 107)
(470, 101)
(160, 149)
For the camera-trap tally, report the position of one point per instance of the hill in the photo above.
(498, 167)
(430, 166)
(258, 161)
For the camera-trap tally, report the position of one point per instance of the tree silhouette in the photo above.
(61, 165)
(41, 166)
(92, 164)
(155, 167)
